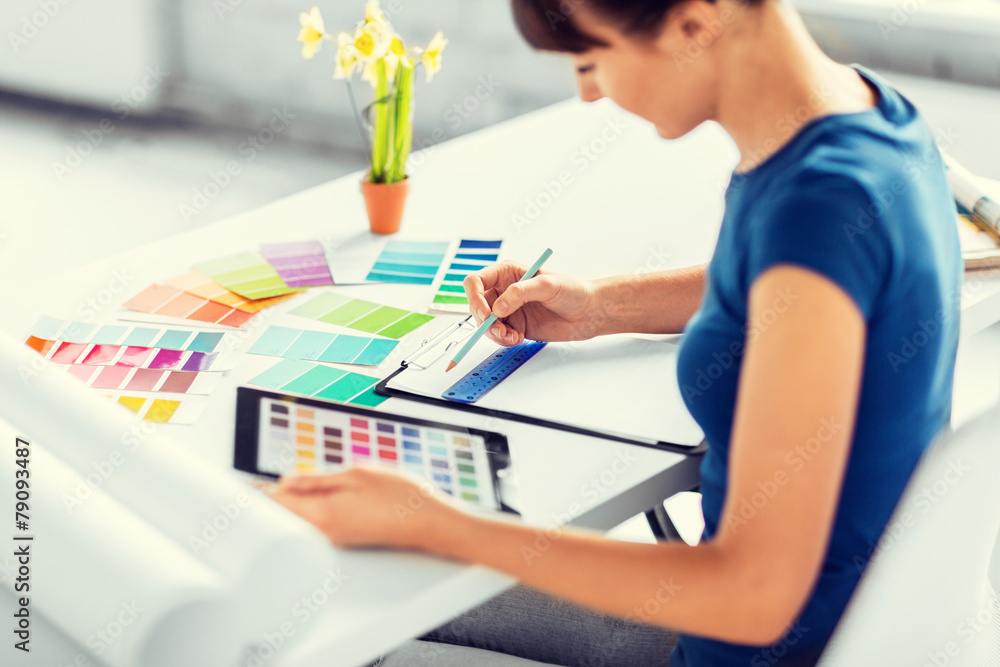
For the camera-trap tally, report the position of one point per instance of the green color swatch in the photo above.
(362, 315)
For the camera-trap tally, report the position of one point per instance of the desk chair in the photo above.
(929, 594)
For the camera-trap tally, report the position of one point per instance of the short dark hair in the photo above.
(548, 25)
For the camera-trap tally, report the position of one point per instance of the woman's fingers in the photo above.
(482, 287)
(539, 288)
(313, 483)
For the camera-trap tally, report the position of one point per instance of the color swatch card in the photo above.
(171, 302)
(412, 262)
(325, 441)
(127, 356)
(199, 284)
(248, 274)
(299, 264)
(145, 379)
(53, 329)
(321, 346)
(306, 378)
(361, 315)
(468, 256)
(172, 410)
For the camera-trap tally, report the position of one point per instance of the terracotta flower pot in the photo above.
(385, 203)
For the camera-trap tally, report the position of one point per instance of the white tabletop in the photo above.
(589, 181)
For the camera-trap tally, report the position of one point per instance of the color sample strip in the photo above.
(199, 284)
(310, 379)
(412, 262)
(124, 355)
(247, 274)
(320, 346)
(145, 379)
(169, 301)
(361, 315)
(69, 331)
(299, 264)
(176, 409)
(468, 256)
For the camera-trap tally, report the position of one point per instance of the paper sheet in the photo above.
(622, 385)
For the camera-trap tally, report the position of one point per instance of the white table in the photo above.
(598, 187)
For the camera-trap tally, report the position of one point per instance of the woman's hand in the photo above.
(549, 307)
(368, 507)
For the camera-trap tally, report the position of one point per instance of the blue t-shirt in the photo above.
(862, 199)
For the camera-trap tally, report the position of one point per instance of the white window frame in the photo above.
(949, 39)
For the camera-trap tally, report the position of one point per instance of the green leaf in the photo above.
(403, 121)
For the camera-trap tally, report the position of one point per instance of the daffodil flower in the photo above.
(396, 47)
(373, 14)
(365, 44)
(312, 33)
(374, 48)
(347, 56)
(431, 56)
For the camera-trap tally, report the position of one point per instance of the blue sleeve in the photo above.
(827, 224)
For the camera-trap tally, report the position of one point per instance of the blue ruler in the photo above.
(495, 369)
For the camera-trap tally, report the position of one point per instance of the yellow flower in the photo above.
(347, 57)
(431, 56)
(312, 33)
(373, 13)
(365, 44)
(396, 47)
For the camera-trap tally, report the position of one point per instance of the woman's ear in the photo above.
(695, 24)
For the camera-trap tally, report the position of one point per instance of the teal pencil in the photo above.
(488, 322)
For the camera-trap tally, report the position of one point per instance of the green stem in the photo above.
(383, 124)
(403, 112)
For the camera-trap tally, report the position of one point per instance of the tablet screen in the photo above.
(294, 436)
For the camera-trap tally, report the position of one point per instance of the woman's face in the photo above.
(669, 79)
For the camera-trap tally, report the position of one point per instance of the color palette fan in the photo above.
(247, 274)
(306, 378)
(301, 264)
(180, 410)
(361, 315)
(145, 379)
(198, 284)
(467, 257)
(321, 346)
(169, 301)
(152, 358)
(50, 329)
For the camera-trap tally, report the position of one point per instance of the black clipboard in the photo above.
(438, 342)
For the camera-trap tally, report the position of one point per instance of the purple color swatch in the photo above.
(167, 359)
(300, 264)
(199, 361)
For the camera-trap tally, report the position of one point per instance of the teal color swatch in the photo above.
(295, 376)
(333, 348)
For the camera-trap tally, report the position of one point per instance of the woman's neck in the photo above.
(776, 79)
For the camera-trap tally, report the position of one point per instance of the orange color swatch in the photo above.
(172, 302)
(199, 284)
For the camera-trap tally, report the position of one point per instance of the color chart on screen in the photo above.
(468, 256)
(300, 439)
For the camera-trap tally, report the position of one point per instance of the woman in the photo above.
(834, 285)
